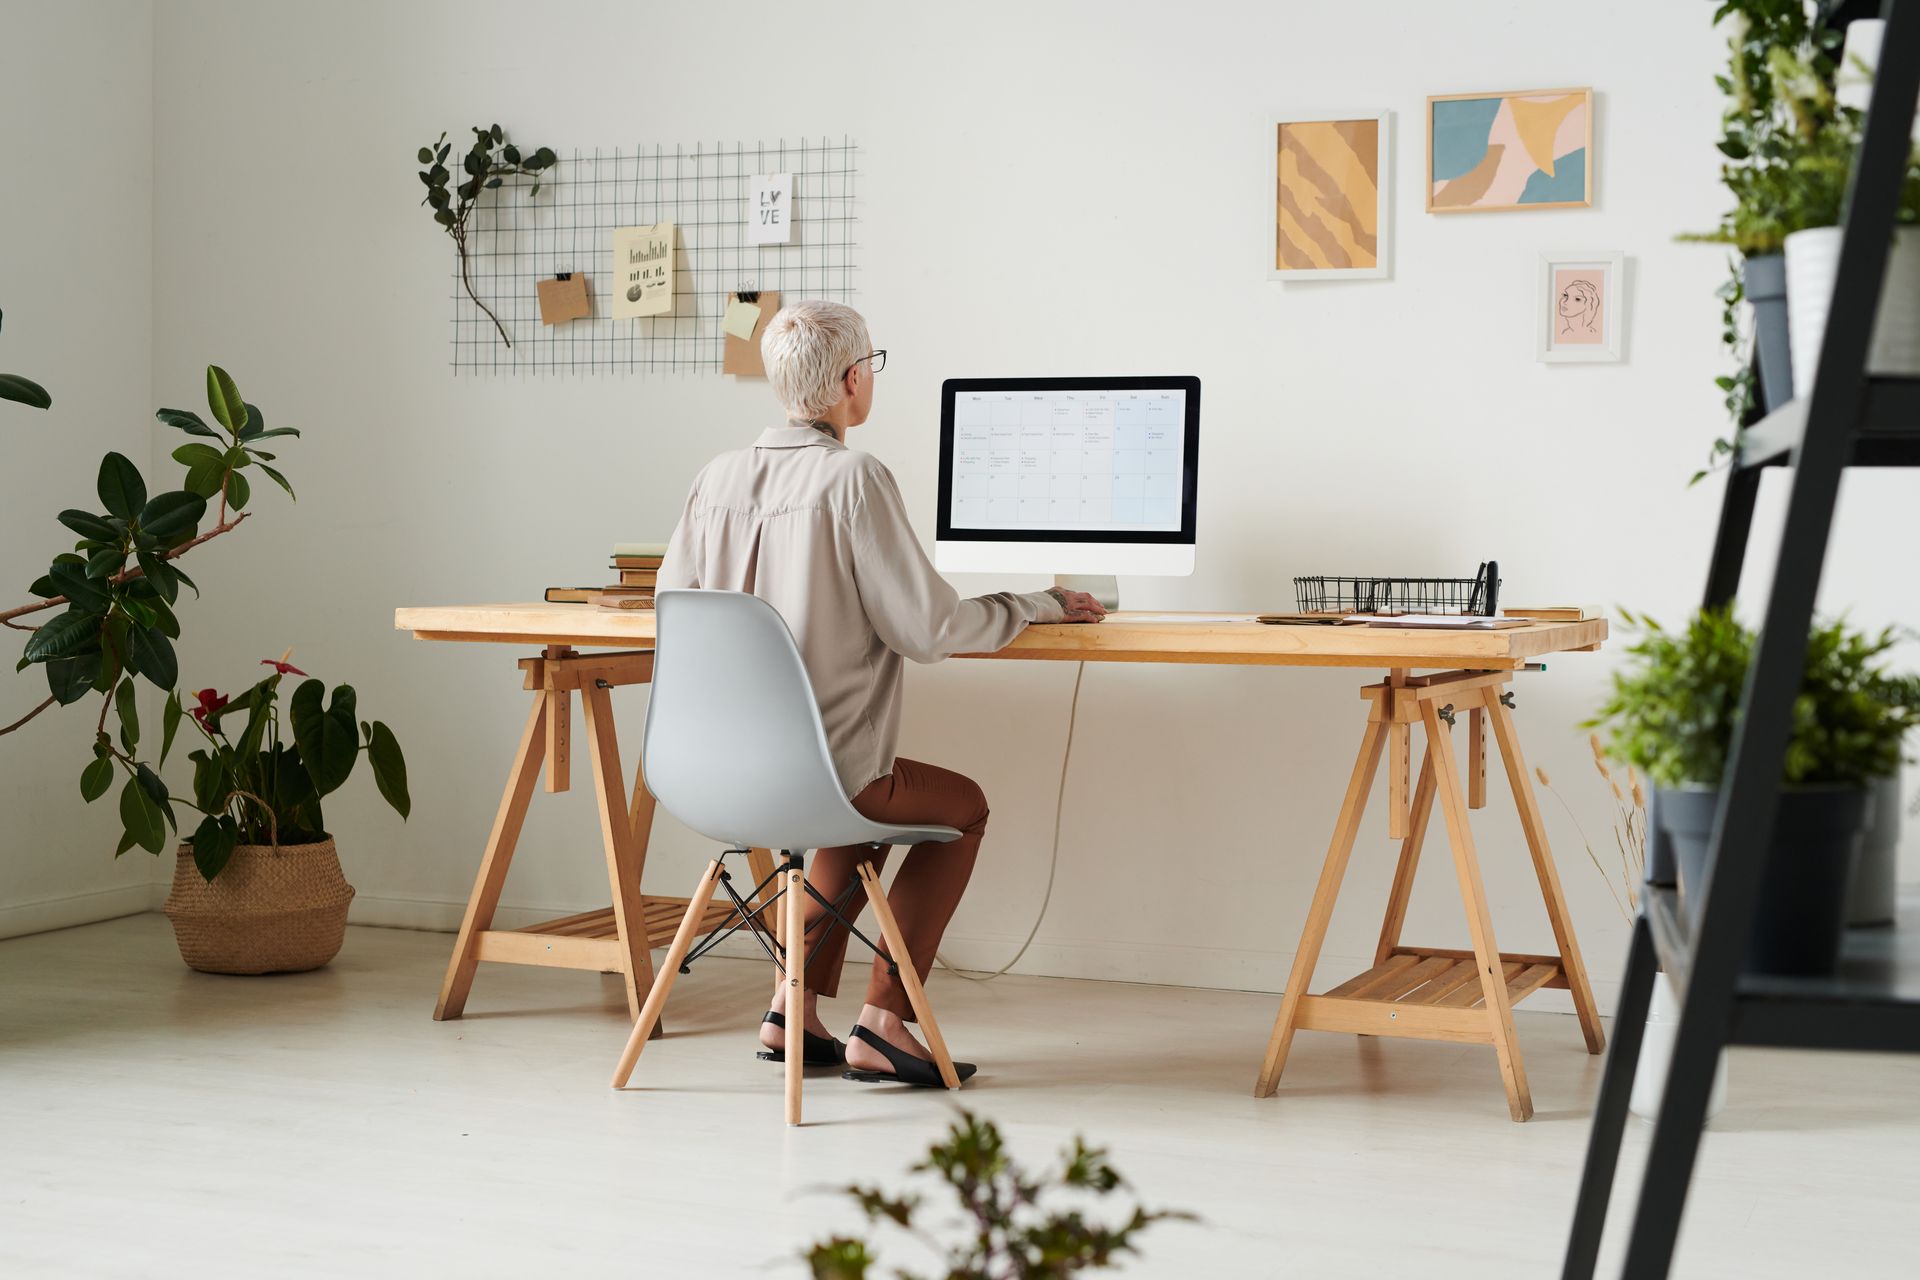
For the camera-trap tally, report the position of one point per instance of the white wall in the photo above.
(1045, 188)
(76, 284)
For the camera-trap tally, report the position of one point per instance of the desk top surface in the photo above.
(1118, 639)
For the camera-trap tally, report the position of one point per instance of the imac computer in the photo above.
(1083, 478)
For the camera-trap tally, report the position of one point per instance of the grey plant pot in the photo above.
(1765, 282)
(1870, 899)
(1801, 912)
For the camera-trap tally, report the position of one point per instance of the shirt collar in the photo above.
(795, 437)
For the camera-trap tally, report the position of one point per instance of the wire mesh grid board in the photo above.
(521, 238)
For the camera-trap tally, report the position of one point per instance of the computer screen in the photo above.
(1092, 462)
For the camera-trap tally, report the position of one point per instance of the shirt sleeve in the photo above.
(912, 608)
(680, 567)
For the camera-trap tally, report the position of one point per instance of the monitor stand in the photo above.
(1103, 587)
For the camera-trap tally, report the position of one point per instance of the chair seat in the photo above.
(832, 833)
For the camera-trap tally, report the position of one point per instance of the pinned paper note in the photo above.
(643, 271)
(742, 354)
(564, 299)
(741, 319)
(770, 215)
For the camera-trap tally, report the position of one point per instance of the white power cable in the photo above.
(1053, 862)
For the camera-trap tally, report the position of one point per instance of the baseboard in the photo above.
(72, 909)
(1157, 964)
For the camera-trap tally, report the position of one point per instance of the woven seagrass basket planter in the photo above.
(271, 910)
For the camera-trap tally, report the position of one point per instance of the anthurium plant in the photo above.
(250, 784)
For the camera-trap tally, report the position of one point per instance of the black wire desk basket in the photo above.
(1477, 596)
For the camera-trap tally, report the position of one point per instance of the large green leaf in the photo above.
(192, 454)
(126, 707)
(256, 423)
(24, 391)
(141, 817)
(169, 723)
(270, 433)
(223, 397)
(238, 491)
(96, 778)
(106, 562)
(172, 515)
(278, 479)
(65, 636)
(122, 491)
(213, 842)
(150, 653)
(329, 741)
(71, 679)
(88, 525)
(190, 423)
(161, 573)
(204, 478)
(156, 791)
(69, 574)
(389, 768)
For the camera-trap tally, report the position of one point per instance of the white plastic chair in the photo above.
(735, 749)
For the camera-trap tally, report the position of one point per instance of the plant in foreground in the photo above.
(1010, 1234)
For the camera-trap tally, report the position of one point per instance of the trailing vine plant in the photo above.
(490, 161)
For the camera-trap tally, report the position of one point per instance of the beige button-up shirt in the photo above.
(819, 531)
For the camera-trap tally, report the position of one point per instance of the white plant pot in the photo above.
(1656, 1054)
(1813, 256)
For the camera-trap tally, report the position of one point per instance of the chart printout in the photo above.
(1083, 460)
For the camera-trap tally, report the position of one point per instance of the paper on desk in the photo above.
(1186, 617)
(1437, 621)
(741, 319)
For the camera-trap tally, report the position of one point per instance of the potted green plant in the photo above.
(1010, 1231)
(1671, 715)
(257, 886)
(1787, 142)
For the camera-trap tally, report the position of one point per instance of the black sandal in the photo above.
(819, 1051)
(907, 1069)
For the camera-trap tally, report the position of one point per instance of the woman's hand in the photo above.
(1079, 606)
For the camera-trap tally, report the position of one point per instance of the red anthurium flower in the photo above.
(284, 668)
(211, 704)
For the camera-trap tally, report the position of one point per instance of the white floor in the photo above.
(158, 1122)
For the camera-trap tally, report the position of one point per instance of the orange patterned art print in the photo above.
(1329, 188)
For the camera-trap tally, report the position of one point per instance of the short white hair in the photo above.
(807, 349)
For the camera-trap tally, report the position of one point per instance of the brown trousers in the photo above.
(923, 895)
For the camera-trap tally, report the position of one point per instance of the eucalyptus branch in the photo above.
(128, 575)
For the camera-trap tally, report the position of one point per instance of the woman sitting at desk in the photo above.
(820, 532)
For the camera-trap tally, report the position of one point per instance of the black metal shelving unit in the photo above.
(1845, 417)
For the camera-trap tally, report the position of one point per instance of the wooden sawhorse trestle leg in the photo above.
(1432, 993)
(613, 939)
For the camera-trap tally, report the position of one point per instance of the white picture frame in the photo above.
(1310, 262)
(1588, 326)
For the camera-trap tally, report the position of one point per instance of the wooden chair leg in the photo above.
(1315, 932)
(1528, 804)
(507, 821)
(760, 867)
(796, 948)
(909, 975)
(1409, 863)
(616, 834)
(663, 980)
(1473, 894)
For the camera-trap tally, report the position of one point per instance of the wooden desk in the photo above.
(1428, 993)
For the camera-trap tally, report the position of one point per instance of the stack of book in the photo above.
(636, 567)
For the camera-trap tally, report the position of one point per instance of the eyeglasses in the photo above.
(879, 359)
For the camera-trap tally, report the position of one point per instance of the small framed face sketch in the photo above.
(1581, 307)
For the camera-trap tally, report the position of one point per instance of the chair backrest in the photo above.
(734, 744)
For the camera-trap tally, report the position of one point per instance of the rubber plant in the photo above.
(1010, 1234)
(250, 785)
(489, 162)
